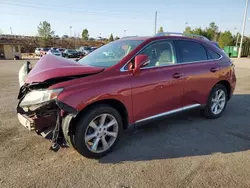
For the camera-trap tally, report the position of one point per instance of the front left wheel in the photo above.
(98, 131)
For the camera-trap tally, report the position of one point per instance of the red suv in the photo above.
(88, 104)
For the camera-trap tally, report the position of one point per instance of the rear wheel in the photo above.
(98, 131)
(217, 102)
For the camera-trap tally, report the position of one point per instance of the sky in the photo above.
(121, 18)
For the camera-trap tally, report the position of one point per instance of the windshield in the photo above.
(45, 49)
(110, 54)
(72, 51)
(54, 51)
(86, 48)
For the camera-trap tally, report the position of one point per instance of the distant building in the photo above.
(10, 50)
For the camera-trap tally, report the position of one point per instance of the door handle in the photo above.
(214, 69)
(177, 75)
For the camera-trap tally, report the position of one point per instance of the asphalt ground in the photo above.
(184, 150)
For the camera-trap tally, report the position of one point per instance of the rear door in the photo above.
(159, 87)
(199, 69)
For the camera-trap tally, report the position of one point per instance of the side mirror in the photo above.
(140, 61)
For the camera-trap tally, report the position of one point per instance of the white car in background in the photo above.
(37, 51)
(54, 52)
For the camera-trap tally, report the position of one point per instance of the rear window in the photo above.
(212, 54)
(72, 51)
(191, 51)
(45, 49)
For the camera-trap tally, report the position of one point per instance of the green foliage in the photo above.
(111, 38)
(117, 38)
(44, 30)
(225, 39)
(161, 30)
(188, 30)
(85, 34)
(210, 32)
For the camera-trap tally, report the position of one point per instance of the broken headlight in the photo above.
(37, 97)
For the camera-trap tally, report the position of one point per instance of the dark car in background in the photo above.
(93, 48)
(61, 49)
(70, 53)
(85, 49)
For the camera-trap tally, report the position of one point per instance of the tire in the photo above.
(84, 131)
(210, 109)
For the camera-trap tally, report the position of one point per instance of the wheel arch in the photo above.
(114, 103)
(227, 85)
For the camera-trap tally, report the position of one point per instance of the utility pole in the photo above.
(70, 28)
(155, 21)
(237, 40)
(124, 33)
(11, 31)
(243, 28)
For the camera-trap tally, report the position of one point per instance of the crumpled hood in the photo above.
(50, 66)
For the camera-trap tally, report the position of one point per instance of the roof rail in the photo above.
(181, 34)
(128, 37)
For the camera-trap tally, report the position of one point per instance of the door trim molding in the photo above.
(169, 112)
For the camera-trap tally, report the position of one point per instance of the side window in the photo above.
(212, 54)
(191, 51)
(160, 54)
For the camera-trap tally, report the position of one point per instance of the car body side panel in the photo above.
(199, 81)
(227, 72)
(103, 87)
(155, 91)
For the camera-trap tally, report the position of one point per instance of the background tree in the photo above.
(65, 36)
(44, 30)
(161, 30)
(111, 38)
(188, 30)
(85, 34)
(212, 31)
(225, 39)
(117, 38)
(45, 33)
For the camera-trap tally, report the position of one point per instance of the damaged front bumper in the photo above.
(50, 119)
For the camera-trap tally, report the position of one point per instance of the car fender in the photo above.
(80, 96)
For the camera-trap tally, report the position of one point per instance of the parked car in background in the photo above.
(43, 51)
(89, 103)
(70, 53)
(37, 51)
(93, 49)
(61, 49)
(54, 52)
(85, 49)
(53, 48)
(80, 53)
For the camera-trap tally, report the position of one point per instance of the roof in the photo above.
(167, 35)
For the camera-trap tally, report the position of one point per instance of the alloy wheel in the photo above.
(218, 102)
(101, 133)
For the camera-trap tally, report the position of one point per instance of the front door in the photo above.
(159, 87)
